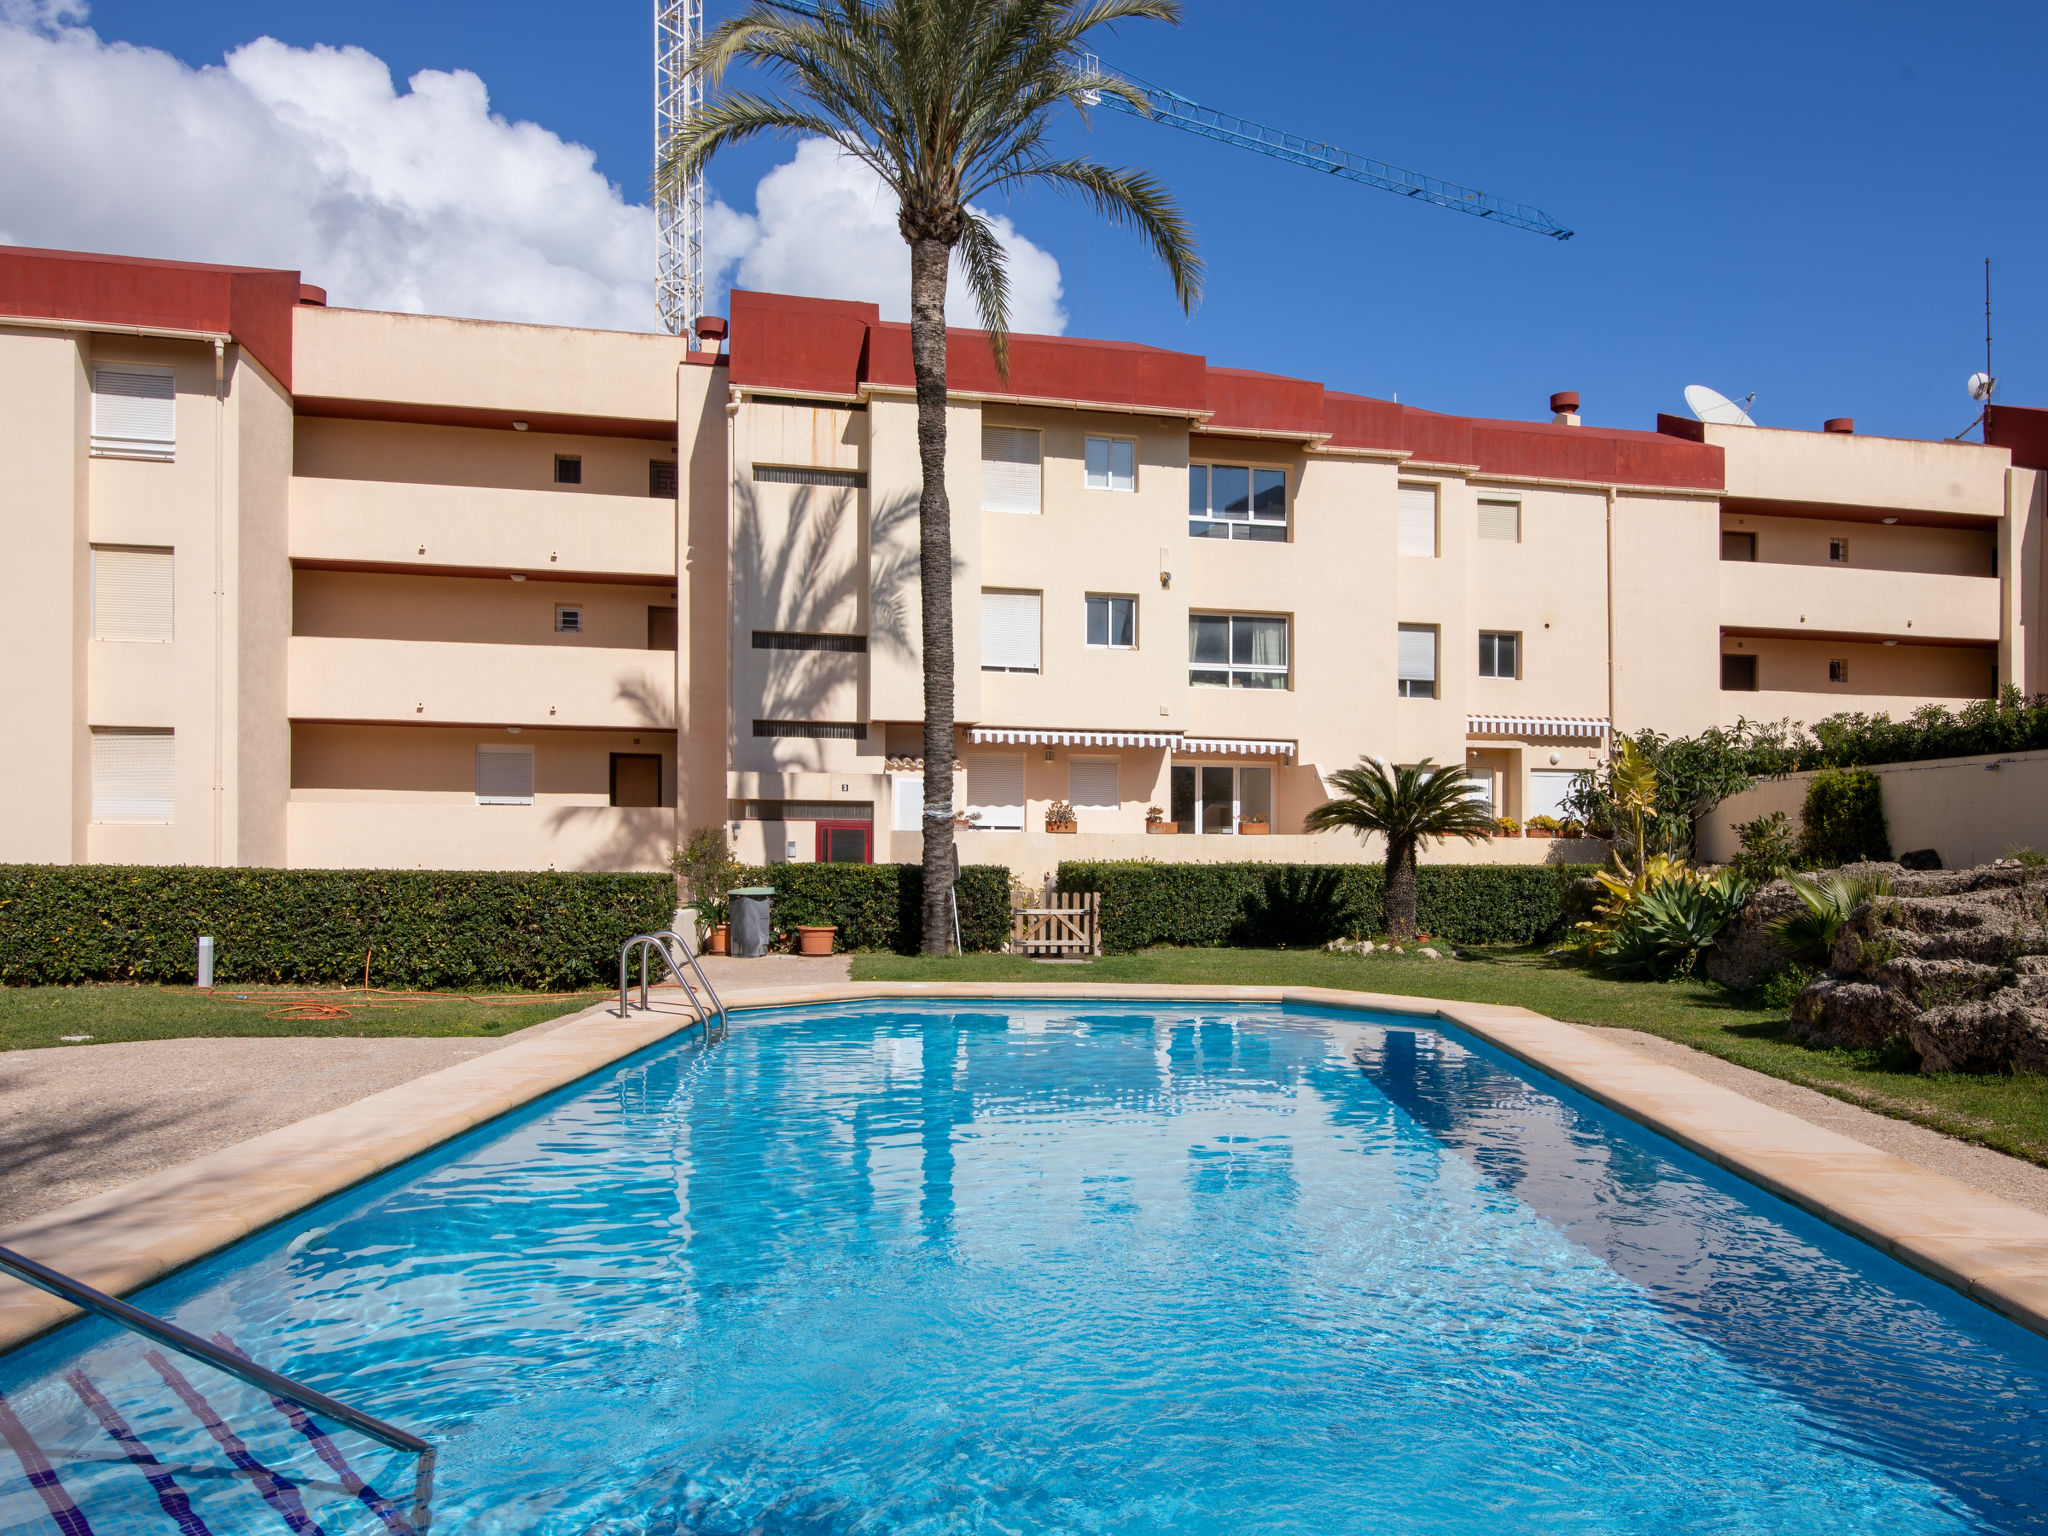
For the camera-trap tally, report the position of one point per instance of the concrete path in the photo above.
(79, 1120)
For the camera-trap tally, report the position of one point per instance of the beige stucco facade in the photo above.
(447, 593)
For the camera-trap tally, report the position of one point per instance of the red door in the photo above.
(845, 842)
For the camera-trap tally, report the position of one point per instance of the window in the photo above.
(1415, 661)
(789, 640)
(1212, 798)
(801, 474)
(906, 799)
(1417, 532)
(1500, 655)
(568, 469)
(1010, 470)
(661, 628)
(1838, 671)
(132, 777)
(1112, 464)
(1838, 551)
(1738, 546)
(843, 842)
(504, 775)
(636, 778)
(1113, 622)
(814, 730)
(1548, 790)
(995, 790)
(568, 619)
(1091, 784)
(1501, 521)
(1009, 631)
(661, 477)
(808, 810)
(131, 593)
(1237, 501)
(1227, 650)
(134, 412)
(1738, 674)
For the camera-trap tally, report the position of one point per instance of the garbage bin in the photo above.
(749, 919)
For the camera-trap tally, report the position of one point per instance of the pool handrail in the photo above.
(646, 941)
(171, 1336)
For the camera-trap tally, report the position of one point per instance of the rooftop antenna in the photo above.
(679, 221)
(1981, 385)
(1713, 406)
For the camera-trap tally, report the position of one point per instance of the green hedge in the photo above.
(2009, 723)
(880, 906)
(418, 928)
(1300, 905)
(1843, 822)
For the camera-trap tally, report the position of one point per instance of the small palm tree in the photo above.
(1411, 807)
(946, 101)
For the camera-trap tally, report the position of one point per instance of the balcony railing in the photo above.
(1763, 597)
(423, 682)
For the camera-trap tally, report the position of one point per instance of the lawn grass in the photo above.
(42, 1016)
(2006, 1113)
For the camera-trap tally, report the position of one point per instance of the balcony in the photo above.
(1841, 601)
(448, 683)
(404, 525)
(453, 832)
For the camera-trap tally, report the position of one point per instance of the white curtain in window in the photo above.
(1010, 474)
(1415, 662)
(1009, 630)
(134, 412)
(131, 593)
(1091, 784)
(995, 789)
(504, 775)
(1261, 642)
(1418, 521)
(132, 775)
(1500, 520)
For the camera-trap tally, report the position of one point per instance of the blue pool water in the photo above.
(1087, 1269)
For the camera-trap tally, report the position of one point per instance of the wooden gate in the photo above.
(1069, 923)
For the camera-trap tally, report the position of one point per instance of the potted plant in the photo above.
(815, 938)
(1571, 827)
(1506, 826)
(1253, 826)
(1543, 827)
(714, 931)
(1059, 817)
(706, 870)
(1157, 824)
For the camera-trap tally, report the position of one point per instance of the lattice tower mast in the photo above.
(679, 222)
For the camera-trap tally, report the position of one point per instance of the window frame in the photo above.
(1250, 528)
(1738, 533)
(1230, 666)
(572, 612)
(982, 485)
(1088, 626)
(1436, 678)
(1838, 669)
(1514, 639)
(1111, 441)
(573, 462)
(1201, 768)
(1436, 519)
(509, 750)
(1479, 518)
(108, 444)
(1838, 551)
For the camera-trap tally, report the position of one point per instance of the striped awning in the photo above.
(1546, 726)
(1234, 746)
(999, 735)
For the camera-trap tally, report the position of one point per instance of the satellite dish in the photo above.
(1981, 385)
(1712, 405)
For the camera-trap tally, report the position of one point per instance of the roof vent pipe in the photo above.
(1564, 408)
(1846, 425)
(312, 297)
(710, 332)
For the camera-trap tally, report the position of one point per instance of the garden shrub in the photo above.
(1145, 903)
(417, 928)
(1844, 819)
(1770, 847)
(880, 906)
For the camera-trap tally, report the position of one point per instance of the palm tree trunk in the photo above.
(928, 263)
(1399, 890)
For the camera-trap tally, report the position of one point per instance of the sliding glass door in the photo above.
(1217, 799)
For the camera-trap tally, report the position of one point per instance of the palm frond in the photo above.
(1419, 803)
(988, 279)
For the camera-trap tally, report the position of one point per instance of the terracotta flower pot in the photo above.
(1162, 828)
(1062, 826)
(1254, 829)
(814, 941)
(720, 937)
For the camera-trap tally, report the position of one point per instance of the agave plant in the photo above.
(1660, 927)
(1826, 903)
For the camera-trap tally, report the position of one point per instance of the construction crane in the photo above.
(678, 97)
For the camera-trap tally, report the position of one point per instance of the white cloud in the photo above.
(415, 200)
(824, 225)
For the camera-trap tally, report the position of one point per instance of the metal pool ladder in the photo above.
(294, 1399)
(646, 942)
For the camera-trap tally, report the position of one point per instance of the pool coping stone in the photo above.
(122, 1240)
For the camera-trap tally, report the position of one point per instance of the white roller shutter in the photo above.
(995, 789)
(1415, 662)
(134, 412)
(1010, 474)
(1009, 631)
(131, 593)
(907, 798)
(1418, 521)
(1501, 520)
(1547, 789)
(1091, 784)
(504, 775)
(132, 777)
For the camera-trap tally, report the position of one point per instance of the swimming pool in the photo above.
(1096, 1268)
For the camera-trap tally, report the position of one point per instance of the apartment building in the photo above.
(307, 587)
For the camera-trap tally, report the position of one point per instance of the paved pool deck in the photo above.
(1969, 1217)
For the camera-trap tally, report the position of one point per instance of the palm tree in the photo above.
(1411, 807)
(946, 101)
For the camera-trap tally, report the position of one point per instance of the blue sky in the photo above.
(1794, 199)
